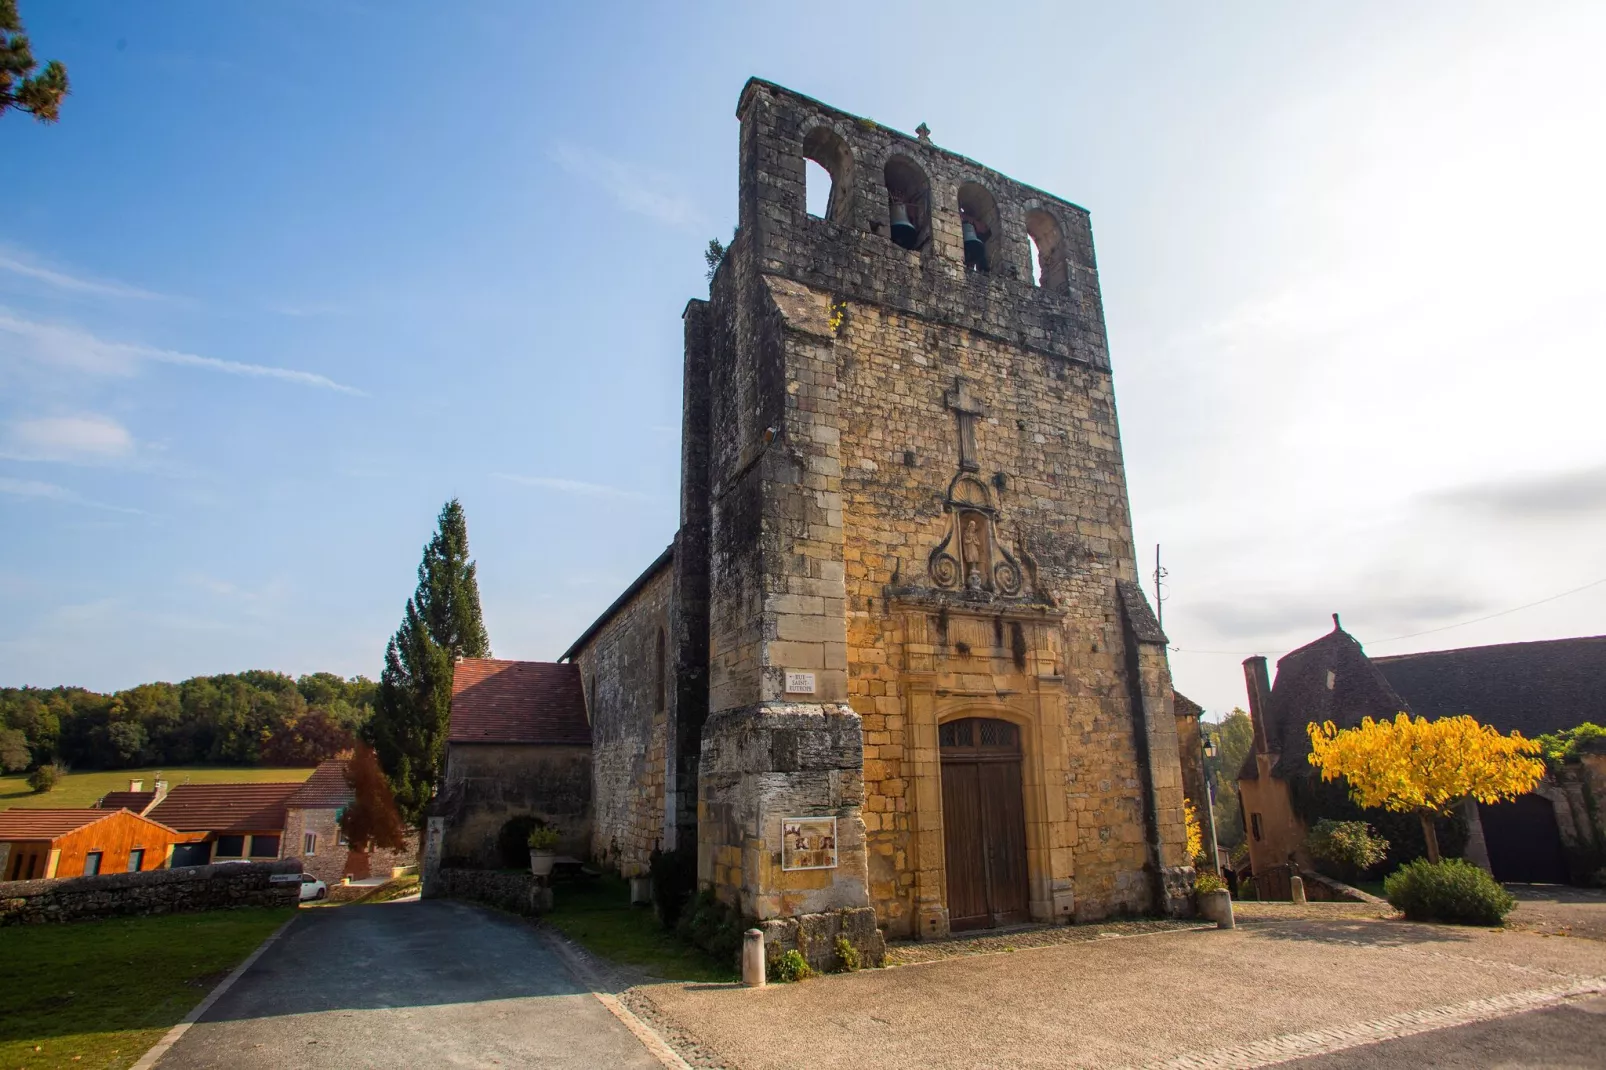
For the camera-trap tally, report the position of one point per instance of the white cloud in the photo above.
(68, 438)
(33, 488)
(57, 345)
(570, 486)
(636, 189)
(17, 264)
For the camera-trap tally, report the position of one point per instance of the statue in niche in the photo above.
(974, 546)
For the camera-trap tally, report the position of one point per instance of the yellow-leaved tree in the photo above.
(1426, 767)
(1190, 820)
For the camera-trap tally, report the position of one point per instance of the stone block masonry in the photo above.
(903, 505)
(153, 891)
(517, 893)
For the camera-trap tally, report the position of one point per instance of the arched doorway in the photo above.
(1523, 841)
(984, 823)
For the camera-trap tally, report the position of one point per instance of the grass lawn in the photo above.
(76, 790)
(100, 993)
(597, 915)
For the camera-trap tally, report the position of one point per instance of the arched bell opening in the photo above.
(1047, 240)
(827, 175)
(908, 203)
(978, 220)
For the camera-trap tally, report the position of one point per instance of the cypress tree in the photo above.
(440, 623)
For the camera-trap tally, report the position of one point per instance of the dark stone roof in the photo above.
(1139, 617)
(1183, 706)
(495, 701)
(225, 807)
(1532, 688)
(326, 789)
(1302, 695)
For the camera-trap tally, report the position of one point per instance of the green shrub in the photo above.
(542, 838)
(1205, 882)
(790, 967)
(1453, 890)
(1349, 848)
(45, 777)
(847, 956)
(712, 925)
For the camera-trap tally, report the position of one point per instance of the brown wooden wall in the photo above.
(114, 838)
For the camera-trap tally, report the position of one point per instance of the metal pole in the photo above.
(1210, 821)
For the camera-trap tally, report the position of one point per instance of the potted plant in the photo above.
(1215, 903)
(543, 843)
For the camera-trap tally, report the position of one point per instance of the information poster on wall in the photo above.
(808, 843)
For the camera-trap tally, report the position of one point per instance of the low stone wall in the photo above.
(154, 891)
(1320, 889)
(518, 893)
(815, 936)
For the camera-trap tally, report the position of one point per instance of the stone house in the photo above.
(51, 844)
(312, 830)
(518, 744)
(1550, 835)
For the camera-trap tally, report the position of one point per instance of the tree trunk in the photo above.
(1430, 835)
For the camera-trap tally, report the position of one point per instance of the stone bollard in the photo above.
(1296, 890)
(1217, 907)
(641, 891)
(753, 958)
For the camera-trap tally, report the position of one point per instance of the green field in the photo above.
(84, 789)
(100, 993)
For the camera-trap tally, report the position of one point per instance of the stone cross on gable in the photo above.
(966, 408)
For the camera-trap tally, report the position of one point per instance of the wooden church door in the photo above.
(984, 823)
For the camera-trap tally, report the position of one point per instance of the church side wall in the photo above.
(628, 671)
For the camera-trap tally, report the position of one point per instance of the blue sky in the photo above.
(284, 279)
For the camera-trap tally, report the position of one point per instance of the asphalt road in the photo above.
(410, 984)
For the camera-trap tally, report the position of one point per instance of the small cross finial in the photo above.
(923, 132)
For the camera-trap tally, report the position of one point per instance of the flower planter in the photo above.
(541, 862)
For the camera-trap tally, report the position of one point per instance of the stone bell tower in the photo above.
(916, 674)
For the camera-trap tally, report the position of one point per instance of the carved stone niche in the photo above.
(970, 556)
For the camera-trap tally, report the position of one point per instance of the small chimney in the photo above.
(161, 791)
(1259, 688)
(136, 785)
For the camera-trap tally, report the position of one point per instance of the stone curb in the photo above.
(577, 965)
(150, 1058)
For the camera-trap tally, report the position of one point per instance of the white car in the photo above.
(313, 888)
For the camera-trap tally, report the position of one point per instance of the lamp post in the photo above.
(1208, 746)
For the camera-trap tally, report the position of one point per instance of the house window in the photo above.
(340, 839)
(264, 847)
(309, 844)
(136, 859)
(1254, 825)
(229, 847)
(91, 863)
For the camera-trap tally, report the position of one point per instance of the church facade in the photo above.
(896, 661)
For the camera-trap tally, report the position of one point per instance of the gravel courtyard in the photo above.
(1288, 983)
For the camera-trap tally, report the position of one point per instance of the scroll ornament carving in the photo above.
(971, 556)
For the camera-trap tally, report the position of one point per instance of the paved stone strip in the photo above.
(583, 972)
(990, 943)
(148, 1060)
(1291, 1046)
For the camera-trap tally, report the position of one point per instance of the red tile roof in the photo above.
(136, 801)
(326, 789)
(51, 824)
(224, 807)
(495, 701)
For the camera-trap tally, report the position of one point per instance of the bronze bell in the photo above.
(904, 233)
(975, 248)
